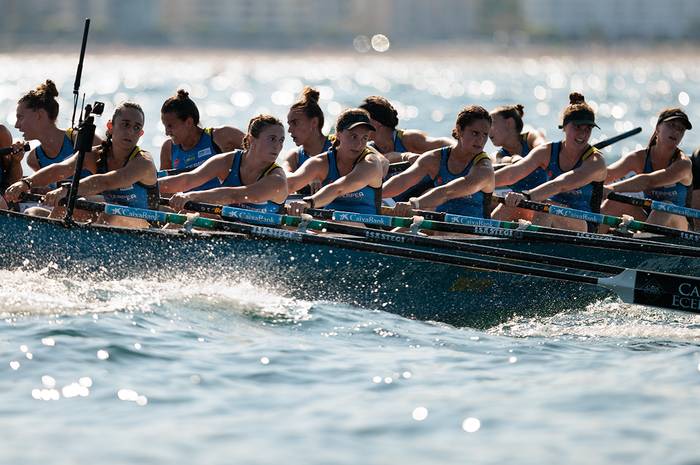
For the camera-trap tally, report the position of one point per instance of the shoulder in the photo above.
(228, 135)
(684, 159)
(145, 155)
(167, 146)
(413, 136)
(5, 135)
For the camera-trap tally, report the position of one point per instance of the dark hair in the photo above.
(381, 110)
(349, 118)
(514, 112)
(182, 106)
(257, 125)
(43, 97)
(468, 115)
(577, 110)
(107, 143)
(308, 102)
(670, 114)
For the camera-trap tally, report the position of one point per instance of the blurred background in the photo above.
(238, 58)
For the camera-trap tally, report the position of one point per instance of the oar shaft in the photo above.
(655, 205)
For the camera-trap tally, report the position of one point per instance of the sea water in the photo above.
(218, 371)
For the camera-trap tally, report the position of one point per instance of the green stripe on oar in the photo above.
(655, 205)
(374, 235)
(613, 221)
(668, 291)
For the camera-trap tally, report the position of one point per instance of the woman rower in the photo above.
(661, 170)
(575, 169)
(124, 173)
(350, 172)
(10, 164)
(37, 112)
(513, 145)
(399, 145)
(461, 173)
(305, 120)
(191, 145)
(695, 201)
(249, 177)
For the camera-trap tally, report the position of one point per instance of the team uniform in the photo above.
(234, 180)
(366, 200)
(678, 194)
(477, 204)
(532, 180)
(302, 156)
(422, 185)
(138, 195)
(205, 148)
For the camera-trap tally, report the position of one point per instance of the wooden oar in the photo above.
(579, 238)
(373, 235)
(613, 221)
(655, 205)
(661, 290)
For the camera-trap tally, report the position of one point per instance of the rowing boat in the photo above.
(313, 272)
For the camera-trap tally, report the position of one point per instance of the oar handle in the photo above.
(9, 150)
(398, 167)
(629, 200)
(528, 204)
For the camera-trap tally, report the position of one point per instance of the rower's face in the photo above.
(301, 127)
(269, 142)
(354, 140)
(473, 136)
(126, 127)
(670, 133)
(577, 134)
(28, 121)
(175, 128)
(499, 130)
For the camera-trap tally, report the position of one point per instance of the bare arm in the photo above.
(228, 138)
(216, 166)
(535, 139)
(289, 161)
(419, 142)
(513, 173)
(633, 161)
(140, 169)
(368, 172)
(427, 164)
(313, 169)
(679, 171)
(272, 187)
(480, 178)
(165, 151)
(592, 169)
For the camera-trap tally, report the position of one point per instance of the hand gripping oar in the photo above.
(373, 235)
(655, 205)
(613, 221)
(661, 290)
(8, 150)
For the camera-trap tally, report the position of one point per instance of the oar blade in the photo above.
(662, 290)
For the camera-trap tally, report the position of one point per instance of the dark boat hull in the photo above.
(412, 288)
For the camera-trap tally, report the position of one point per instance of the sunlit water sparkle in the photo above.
(213, 369)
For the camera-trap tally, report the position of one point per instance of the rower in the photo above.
(513, 145)
(399, 145)
(10, 164)
(37, 112)
(350, 172)
(575, 170)
(305, 121)
(247, 177)
(189, 144)
(461, 174)
(661, 171)
(125, 174)
(695, 201)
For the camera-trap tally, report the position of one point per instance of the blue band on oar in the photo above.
(363, 218)
(251, 215)
(472, 221)
(674, 209)
(149, 215)
(576, 214)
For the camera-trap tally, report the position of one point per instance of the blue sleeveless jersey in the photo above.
(138, 195)
(234, 180)
(302, 156)
(67, 150)
(192, 158)
(532, 180)
(476, 205)
(366, 200)
(677, 194)
(586, 198)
